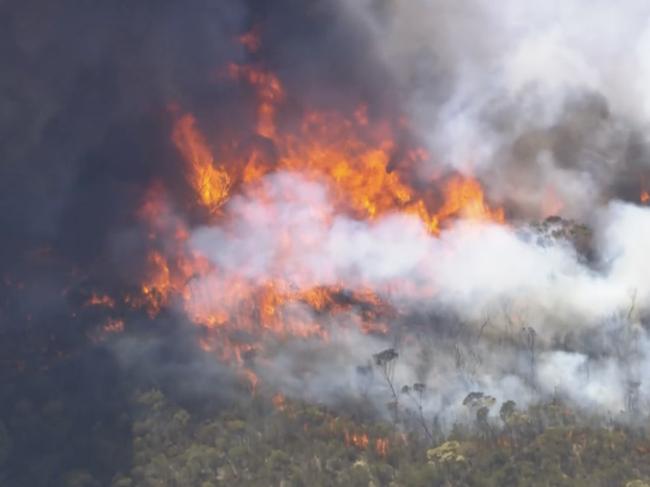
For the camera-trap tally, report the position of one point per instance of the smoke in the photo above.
(547, 103)
(486, 291)
(471, 266)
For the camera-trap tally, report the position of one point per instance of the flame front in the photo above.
(211, 183)
(464, 197)
(353, 155)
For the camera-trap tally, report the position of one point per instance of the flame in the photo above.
(205, 345)
(279, 402)
(211, 183)
(166, 278)
(354, 155)
(645, 197)
(269, 93)
(362, 441)
(170, 268)
(100, 300)
(464, 197)
(157, 288)
(329, 148)
(250, 40)
(113, 326)
(358, 440)
(381, 446)
(357, 174)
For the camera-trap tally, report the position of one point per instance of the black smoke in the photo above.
(86, 112)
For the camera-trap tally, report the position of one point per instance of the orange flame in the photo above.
(269, 93)
(645, 197)
(157, 288)
(110, 326)
(332, 149)
(353, 155)
(251, 39)
(358, 440)
(100, 300)
(381, 446)
(211, 183)
(464, 198)
(114, 326)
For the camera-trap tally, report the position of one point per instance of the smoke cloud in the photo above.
(547, 105)
(491, 284)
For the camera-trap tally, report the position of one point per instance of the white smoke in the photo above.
(549, 105)
(548, 102)
(494, 280)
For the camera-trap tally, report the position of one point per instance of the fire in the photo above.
(100, 300)
(205, 345)
(170, 267)
(358, 440)
(269, 94)
(464, 197)
(357, 173)
(279, 402)
(319, 298)
(110, 327)
(362, 441)
(645, 197)
(381, 446)
(261, 309)
(352, 155)
(251, 39)
(211, 183)
(355, 156)
(157, 288)
(113, 326)
(166, 278)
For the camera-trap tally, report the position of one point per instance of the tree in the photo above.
(385, 361)
(529, 337)
(480, 404)
(416, 394)
(515, 422)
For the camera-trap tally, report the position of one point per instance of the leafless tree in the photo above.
(416, 394)
(385, 361)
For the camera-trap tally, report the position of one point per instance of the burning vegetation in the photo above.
(331, 244)
(349, 155)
